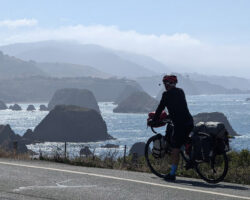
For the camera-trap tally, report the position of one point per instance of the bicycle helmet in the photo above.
(170, 79)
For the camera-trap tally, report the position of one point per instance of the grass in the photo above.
(13, 155)
(238, 172)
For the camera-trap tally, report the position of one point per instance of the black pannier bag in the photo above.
(221, 146)
(202, 147)
(159, 146)
(218, 133)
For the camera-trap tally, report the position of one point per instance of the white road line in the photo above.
(129, 180)
(52, 187)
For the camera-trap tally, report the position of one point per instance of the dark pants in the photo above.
(180, 135)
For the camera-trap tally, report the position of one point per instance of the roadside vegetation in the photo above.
(13, 155)
(238, 172)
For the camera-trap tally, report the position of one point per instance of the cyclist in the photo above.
(175, 101)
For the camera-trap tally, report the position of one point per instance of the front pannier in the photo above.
(161, 121)
(159, 146)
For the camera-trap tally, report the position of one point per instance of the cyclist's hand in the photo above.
(151, 122)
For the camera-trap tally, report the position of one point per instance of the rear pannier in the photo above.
(213, 134)
(202, 147)
(215, 129)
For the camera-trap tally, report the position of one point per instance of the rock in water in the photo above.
(43, 108)
(138, 148)
(110, 146)
(215, 117)
(8, 138)
(138, 102)
(3, 106)
(15, 107)
(31, 108)
(72, 96)
(71, 124)
(128, 90)
(85, 152)
(28, 137)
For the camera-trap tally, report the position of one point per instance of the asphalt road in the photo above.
(40, 180)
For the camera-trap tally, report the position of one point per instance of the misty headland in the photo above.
(44, 67)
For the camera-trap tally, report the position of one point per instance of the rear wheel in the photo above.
(159, 166)
(215, 170)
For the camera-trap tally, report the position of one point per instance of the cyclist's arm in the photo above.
(160, 107)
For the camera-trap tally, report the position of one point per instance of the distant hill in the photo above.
(11, 67)
(37, 89)
(228, 82)
(103, 59)
(145, 61)
(191, 87)
(61, 70)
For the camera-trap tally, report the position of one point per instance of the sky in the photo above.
(204, 36)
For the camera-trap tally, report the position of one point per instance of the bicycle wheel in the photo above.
(215, 170)
(159, 166)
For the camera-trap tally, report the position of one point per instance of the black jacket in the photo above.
(175, 101)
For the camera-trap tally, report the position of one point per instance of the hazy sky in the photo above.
(210, 36)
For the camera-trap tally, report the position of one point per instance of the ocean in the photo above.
(131, 128)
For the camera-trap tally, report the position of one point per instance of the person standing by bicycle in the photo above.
(175, 101)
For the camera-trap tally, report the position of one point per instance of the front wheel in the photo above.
(159, 166)
(215, 170)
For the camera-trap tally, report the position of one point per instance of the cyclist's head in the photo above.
(169, 81)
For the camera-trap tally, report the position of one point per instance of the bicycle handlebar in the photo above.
(152, 129)
(167, 121)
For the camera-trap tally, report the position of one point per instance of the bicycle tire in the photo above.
(159, 166)
(202, 173)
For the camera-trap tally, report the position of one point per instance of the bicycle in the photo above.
(212, 171)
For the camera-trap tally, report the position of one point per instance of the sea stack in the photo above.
(10, 141)
(72, 96)
(31, 108)
(128, 90)
(138, 102)
(3, 106)
(71, 124)
(15, 107)
(43, 108)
